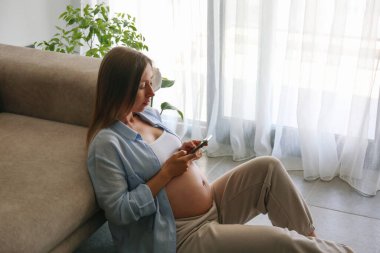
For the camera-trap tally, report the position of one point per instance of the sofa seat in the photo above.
(44, 180)
(46, 102)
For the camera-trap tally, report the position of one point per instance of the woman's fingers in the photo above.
(190, 145)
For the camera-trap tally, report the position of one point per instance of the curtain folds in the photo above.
(297, 79)
(304, 73)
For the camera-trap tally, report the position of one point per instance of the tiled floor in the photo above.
(340, 214)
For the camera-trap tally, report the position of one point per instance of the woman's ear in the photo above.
(157, 79)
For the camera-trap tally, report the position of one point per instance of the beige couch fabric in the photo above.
(47, 200)
(48, 85)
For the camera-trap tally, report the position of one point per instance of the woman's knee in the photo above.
(271, 161)
(266, 163)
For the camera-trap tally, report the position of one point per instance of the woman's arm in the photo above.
(120, 204)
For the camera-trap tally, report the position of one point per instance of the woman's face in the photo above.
(145, 90)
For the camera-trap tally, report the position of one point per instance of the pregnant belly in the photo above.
(189, 194)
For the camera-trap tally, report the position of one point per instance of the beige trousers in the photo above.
(260, 185)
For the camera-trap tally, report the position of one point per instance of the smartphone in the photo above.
(201, 145)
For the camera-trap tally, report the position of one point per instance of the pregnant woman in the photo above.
(156, 199)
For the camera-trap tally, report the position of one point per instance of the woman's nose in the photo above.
(150, 92)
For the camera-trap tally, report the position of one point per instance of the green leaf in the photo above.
(71, 21)
(96, 11)
(104, 12)
(90, 22)
(166, 83)
(90, 34)
(167, 106)
(86, 9)
(51, 47)
(62, 15)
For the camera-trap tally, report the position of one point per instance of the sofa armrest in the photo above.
(47, 85)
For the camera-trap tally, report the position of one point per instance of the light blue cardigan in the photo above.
(120, 163)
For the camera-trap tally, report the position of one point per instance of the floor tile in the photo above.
(338, 195)
(224, 165)
(207, 164)
(260, 219)
(362, 234)
(305, 187)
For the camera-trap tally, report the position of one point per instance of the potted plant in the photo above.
(97, 31)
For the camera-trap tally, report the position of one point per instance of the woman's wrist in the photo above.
(165, 175)
(159, 181)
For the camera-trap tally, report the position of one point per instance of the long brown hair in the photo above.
(118, 81)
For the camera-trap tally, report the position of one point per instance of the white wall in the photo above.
(22, 22)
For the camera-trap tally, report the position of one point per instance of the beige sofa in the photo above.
(47, 200)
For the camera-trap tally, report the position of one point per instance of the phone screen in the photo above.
(201, 145)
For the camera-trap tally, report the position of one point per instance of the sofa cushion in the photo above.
(45, 189)
(47, 85)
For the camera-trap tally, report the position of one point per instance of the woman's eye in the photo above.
(142, 85)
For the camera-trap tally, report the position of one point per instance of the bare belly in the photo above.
(189, 194)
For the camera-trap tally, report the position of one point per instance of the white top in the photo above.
(165, 145)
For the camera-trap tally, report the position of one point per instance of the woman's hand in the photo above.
(189, 145)
(178, 163)
(175, 166)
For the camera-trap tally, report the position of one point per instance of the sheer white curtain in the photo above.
(291, 78)
(333, 68)
(296, 79)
